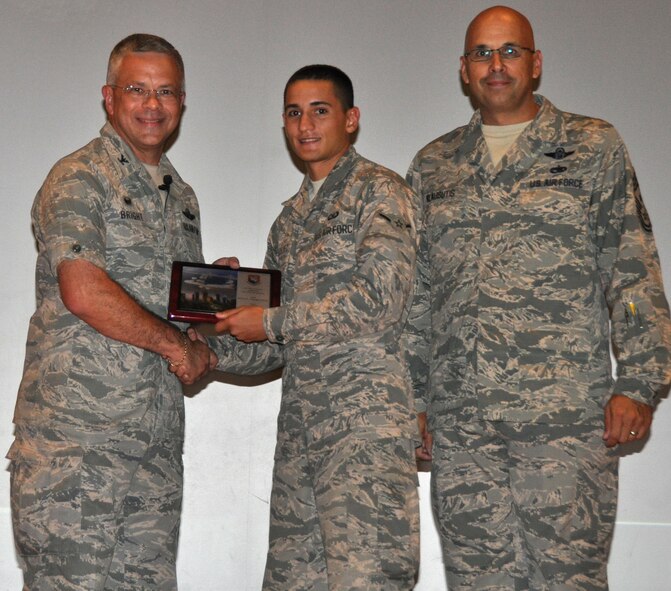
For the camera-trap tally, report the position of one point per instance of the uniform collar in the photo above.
(127, 164)
(547, 127)
(337, 175)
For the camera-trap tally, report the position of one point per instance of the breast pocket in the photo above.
(187, 242)
(553, 232)
(452, 228)
(328, 257)
(131, 237)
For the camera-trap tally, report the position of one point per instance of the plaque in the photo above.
(198, 291)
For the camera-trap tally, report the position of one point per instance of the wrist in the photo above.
(185, 350)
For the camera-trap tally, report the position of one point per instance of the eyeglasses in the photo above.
(506, 52)
(163, 95)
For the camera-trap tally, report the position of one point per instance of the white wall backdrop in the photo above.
(607, 58)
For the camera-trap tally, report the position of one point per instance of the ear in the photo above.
(538, 64)
(463, 70)
(108, 98)
(352, 119)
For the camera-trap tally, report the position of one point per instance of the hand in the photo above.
(231, 262)
(626, 420)
(244, 323)
(198, 361)
(194, 335)
(423, 452)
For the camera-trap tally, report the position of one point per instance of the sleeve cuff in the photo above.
(420, 405)
(73, 250)
(273, 319)
(634, 389)
(221, 349)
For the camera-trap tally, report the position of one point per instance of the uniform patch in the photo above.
(435, 195)
(191, 228)
(559, 153)
(555, 182)
(125, 214)
(335, 229)
(642, 212)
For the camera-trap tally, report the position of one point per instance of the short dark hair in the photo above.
(139, 43)
(342, 85)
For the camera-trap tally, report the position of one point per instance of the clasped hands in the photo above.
(197, 361)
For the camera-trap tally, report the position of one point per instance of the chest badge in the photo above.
(559, 153)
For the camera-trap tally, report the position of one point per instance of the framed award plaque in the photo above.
(198, 291)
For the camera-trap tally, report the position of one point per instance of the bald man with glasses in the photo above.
(536, 253)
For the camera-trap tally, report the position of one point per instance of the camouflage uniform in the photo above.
(521, 268)
(96, 462)
(344, 511)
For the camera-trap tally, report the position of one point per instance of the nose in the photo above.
(496, 63)
(151, 100)
(305, 122)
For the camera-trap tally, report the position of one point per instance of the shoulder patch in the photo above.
(642, 212)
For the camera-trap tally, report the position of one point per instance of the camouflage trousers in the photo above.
(524, 507)
(105, 519)
(344, 515)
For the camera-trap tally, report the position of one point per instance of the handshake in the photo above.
(197, 358)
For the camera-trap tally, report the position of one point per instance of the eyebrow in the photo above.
(312, 104)
(485, 46)
(144, 84)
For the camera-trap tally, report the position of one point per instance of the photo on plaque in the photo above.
(198, 291)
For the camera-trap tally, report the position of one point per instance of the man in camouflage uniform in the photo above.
(96, 466)
(344, 509)
(533, 236)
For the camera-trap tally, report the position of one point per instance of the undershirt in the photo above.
(152, 169)
(313, 187)
(500, 137)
